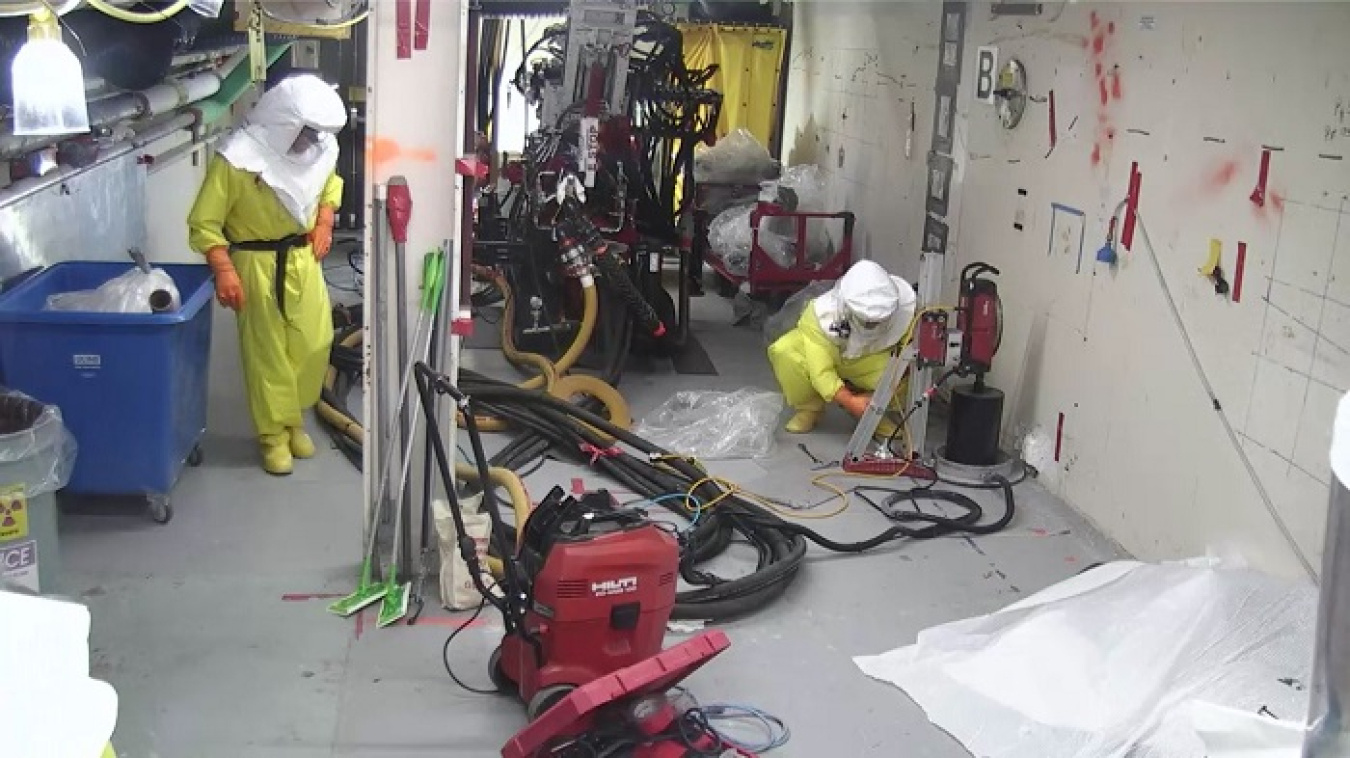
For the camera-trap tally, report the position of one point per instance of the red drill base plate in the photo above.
(870, 466)
(572, 714)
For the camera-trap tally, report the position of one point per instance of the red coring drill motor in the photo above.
(979, 317)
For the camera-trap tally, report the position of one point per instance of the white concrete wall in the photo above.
(1203, 86)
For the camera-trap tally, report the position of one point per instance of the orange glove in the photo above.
(853, 402)
(322, 235)
(229, 290)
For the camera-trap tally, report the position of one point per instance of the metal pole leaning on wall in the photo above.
(1328, 728)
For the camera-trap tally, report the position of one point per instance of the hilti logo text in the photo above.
(614, 587)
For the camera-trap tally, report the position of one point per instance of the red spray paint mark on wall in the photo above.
(1277, 201)
(1109, 85)
(1221, 176)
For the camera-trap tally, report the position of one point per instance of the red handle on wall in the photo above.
(399, 209)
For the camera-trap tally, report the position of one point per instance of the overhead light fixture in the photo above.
(48, 82)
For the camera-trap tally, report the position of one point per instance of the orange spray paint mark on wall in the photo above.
(383, 150)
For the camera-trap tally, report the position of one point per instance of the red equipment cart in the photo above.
(766, 276)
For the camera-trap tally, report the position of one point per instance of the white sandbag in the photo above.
(458, 592)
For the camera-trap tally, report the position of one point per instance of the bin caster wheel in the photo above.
(498, 675)
(196, 457)
(161, 510)
(547, 698)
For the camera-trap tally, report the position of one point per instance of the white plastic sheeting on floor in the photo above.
(1128, 659)
(53, 707)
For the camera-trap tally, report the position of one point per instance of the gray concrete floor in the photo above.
(213, 628)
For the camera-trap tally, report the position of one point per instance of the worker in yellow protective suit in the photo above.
(264, 220)
(841, 344)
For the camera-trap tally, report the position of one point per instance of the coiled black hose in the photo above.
(569, 431)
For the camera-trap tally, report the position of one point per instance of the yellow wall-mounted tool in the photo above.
(1213, 268)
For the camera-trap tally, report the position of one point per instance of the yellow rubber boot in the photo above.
(804, 420)
(276, 455)
(301, 444)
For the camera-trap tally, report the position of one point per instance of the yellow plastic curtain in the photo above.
(749, 60)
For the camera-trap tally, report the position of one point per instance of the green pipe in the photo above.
(240, 80)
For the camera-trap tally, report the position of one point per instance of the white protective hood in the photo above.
(866, 294)
(262, 144)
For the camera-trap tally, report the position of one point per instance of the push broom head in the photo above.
(363, 596)
(395, 605)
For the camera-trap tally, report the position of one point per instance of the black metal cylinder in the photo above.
(974, 426)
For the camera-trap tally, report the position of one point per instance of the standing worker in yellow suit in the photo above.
(841, 344)
(264, 220)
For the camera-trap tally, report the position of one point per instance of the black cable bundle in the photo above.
(569, 432)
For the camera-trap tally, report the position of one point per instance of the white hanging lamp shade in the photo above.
(48, 82)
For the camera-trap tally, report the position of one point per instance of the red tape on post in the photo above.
(1131, 208)
(1054, 129)
(403, 28)
(1237, 274)
(1259, 194)
(422, 29)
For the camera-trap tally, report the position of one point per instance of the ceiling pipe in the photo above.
(105, 113)
(27, 188)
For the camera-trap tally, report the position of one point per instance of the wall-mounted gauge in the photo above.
(1010, 95)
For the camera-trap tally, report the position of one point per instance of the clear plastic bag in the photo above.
(710, 425)
(729, 238)
(37, 452)
(737, 158)
(133, 292)
(800, 189)
(785, 320)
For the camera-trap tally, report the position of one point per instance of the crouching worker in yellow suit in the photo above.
(841, 344)
(264, 221)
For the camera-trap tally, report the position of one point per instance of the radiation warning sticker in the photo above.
(13, 515)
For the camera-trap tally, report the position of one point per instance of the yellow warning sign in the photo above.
(13, 515)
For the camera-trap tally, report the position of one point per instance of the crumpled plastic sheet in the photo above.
(785, 320)
(1126, 660)
(729, 237)
(128, 293)
(37, 451)
(737, 158)
(801, 188)
(710, 425)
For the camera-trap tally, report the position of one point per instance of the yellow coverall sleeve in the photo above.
(806, 364)
(332, 192)
(206, 221)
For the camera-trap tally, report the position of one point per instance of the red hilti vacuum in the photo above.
(588, 590)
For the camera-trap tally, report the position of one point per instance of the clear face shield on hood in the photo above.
(288, 140)
(868, 309)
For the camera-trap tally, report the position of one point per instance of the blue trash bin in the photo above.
(131, 387)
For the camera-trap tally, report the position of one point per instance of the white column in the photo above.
(415, 125)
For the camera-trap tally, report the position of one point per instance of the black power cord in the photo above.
(445, 653)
